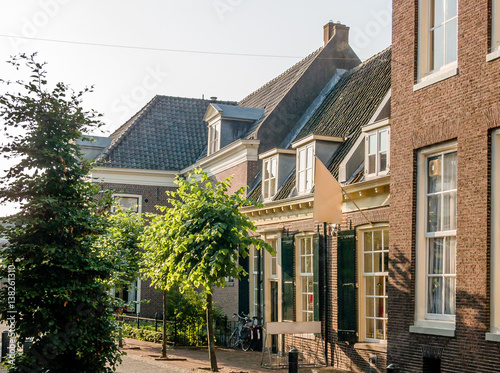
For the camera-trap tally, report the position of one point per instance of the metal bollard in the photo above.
(293, 361)
(5, 344)
(391, 368)
(26, 345)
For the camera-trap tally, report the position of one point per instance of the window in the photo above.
(131, 296)
(269, 178)
(273, 260)
(494, 332)
(213, 138)
(306, 278)
(374, 271)
(305, 169)
(438, 35)
(436, 241)
(495, 25)
(377, 152)
(128, 202)
(256, 287)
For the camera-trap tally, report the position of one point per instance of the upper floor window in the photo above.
(306, 278)
(213, 138)
(495, 25)
(305, 169)
(273, 260)
(269, 178)
(438, 35)
(377, 152)
(128, 202)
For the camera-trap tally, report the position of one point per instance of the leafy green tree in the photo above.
(60, 299)
(198, 241)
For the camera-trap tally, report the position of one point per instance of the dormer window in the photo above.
(213, 138)
(377, 149)
(269, 178)
(305, 169)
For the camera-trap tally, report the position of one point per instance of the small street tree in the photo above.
(198, 241)
(56, 294)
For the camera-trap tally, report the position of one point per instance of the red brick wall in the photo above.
(456, 108)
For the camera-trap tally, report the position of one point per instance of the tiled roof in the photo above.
(350, 105)
(269, 95)
(167, 134)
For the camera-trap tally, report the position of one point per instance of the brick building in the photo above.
(444, 299)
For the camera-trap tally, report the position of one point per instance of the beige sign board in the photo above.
(293, 327)
(327, 196)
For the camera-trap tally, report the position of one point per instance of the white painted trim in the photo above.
(494, 334)
(447, 72)
(230, 156)
(278, 205)
(368, 184)
(138, 292)
(276, 151)
(138, 196)
(312, 137)
(493, 55)
(132, 176)
(387, 97)
(441, 328)
(376, 125)
(347, 158)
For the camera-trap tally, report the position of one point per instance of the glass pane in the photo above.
(436, 256)
(310, 286)
(380, 285)
(450, 255)
(449, 296)
(437, 48)
(370, 307)
(273, 167)
(449, 211)
(304, 301)
(383, 162)
(377, 240)
(308, 268)
(368, 263)
(451, 8)
(370, 328)
(302, 181)
(309, 177)
(435, 295)
(302, 159)
(272, 187)
(370, 285)
(128, 203)
(433, 213)
(377, 262)
(380, 329)
(383, 136)
(371, 163)
(274, 268)
(372, 144)
(304, 285)
(368, 241)
(386, 239)
(379, 307)
(450, 171)
(265, 189)
(451, 40)
(434, 172)
(309, 157)
(267, 170)
(437, 12)
(386, 262)
(308, 242)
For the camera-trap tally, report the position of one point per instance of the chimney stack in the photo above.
(335, 29)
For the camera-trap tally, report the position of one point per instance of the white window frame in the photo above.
(304, 314)
(426, 323)
(213, 137)
(376, 133)
(362, 281)
(268, 190)
(425, 75)
(117, 196)
(137, 292)
(495, 31)
(303, 170)
(273, 258)
(272, 235)
(494, 332)
(254, 273)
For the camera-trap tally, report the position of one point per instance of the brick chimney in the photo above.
(335, 29)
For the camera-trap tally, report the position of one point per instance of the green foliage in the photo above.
(60, 299)
(197, 242)
(143, 334)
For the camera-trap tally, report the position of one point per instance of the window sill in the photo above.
(372, 346)
(493, 55)
(436, 77)
(493, 337)
(434, 327)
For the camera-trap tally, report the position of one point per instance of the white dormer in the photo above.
(377, 156)
(228, 123)
(276, 166)
(307, 148)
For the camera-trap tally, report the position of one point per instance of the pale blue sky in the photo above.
(126, 79)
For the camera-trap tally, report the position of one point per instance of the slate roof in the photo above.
(270, 94)
(349, 105)
(238, 112)
(166, 134)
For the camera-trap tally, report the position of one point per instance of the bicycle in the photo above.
(243, 334)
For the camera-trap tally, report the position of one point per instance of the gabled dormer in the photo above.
(276, 166)
(227, 123)
(307, 148)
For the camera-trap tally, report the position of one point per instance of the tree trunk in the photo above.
(210, 334)
(164, 331)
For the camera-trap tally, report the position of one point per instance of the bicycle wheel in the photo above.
(233, 340)
(246, 341)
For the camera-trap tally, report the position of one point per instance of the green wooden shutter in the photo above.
(244, 288)
(316, 276)
(287, 249)
(346, 282)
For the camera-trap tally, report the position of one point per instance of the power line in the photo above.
(149, 48)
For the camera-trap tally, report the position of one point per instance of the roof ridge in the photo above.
(279, 76)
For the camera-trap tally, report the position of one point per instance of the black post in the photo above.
(325, 289)
(156, 321)
(175, 331)
(5, 344)
(225, 330)
(293, 361)
(138, 325)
